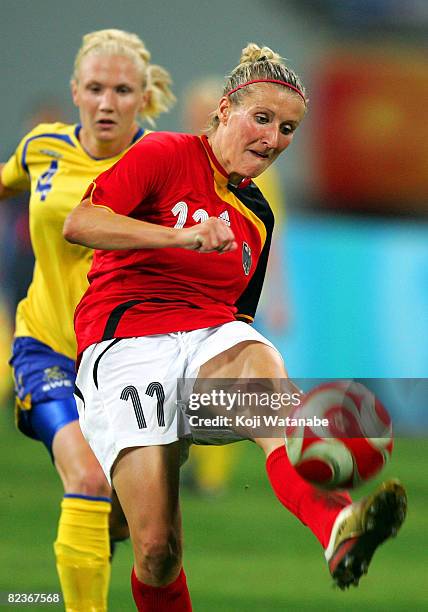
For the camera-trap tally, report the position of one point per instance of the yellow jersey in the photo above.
(51, 163)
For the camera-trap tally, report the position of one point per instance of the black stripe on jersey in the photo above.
(117, 313)
(254, 200)
(97, 362)
(115, 316)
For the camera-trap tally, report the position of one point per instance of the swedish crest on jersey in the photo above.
(55, 377)
(247, 259)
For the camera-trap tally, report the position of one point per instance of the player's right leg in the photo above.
(128, 413)
(146, 480)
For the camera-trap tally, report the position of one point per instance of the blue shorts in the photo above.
(44, 384)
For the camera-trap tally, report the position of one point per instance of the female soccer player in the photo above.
(182, 237)
(208, 468)
(113, 85)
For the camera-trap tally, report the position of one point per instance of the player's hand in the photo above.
(212, 235)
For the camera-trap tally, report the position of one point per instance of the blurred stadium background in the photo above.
(356, 252)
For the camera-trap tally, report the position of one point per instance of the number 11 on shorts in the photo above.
(154, 388)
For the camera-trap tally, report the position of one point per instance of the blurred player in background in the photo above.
(114, 85)
(16, 254)
(208, 469)
(182, 238)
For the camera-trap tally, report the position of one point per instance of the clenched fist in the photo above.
(210, 235)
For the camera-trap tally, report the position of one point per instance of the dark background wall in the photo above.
(192, 38)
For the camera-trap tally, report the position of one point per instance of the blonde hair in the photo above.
(156, 80)
(258, 63)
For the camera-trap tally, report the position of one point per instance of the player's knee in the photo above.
(88, 480)
(158, 559)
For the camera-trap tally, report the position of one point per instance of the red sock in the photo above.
(173, 597)
(315, 508)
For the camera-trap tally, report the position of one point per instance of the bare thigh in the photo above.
(248, 359)
(252, 360)
(146, 480)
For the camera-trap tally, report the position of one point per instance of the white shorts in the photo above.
(126, 389)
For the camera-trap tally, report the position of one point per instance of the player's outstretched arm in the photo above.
(99, 228)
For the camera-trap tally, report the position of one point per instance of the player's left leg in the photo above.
(349, 532)
(82, 547)
(343, 528)
(318, 510)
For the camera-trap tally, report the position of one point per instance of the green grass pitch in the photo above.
(243, 551)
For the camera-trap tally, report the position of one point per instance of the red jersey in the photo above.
(174, 180)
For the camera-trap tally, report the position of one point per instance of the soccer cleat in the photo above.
(360, 528)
